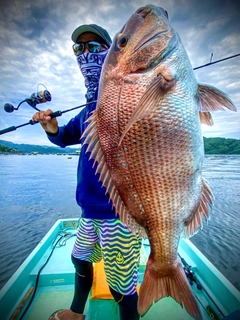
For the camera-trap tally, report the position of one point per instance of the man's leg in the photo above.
(121, 254)
(85, 251)
(127, 305)
(83, 284)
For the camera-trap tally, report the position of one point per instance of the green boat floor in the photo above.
(165, 309)
(47, 302)
(50, 299)
(56, 283)
(55, 291)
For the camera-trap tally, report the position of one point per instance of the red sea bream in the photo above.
(146, 137)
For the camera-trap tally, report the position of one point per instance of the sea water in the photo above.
(36, 190)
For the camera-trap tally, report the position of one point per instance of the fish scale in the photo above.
(146, 137)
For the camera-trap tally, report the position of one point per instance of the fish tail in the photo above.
(170, 281)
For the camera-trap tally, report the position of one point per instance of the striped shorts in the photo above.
(120, 249)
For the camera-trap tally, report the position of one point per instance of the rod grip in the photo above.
(56, 114)
(9, 129)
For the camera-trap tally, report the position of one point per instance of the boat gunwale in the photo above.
(209, 276)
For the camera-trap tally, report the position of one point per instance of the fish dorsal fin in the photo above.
(96, 152)
(149, 101)
(206, 118)
(194, 222)
(212, 99)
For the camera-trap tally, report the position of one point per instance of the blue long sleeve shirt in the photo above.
(90, 194)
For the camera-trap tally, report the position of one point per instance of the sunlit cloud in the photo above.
(36, 48)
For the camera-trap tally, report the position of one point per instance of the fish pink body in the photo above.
(146, 137)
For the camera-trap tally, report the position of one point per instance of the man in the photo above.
(100, 234)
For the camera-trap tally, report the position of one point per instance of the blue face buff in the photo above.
(90, 65)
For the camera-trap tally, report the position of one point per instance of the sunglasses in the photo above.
(93, 47)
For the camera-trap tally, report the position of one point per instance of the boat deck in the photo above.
(56, 281)
(55, 291)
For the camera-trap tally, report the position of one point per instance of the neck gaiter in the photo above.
(90, 65)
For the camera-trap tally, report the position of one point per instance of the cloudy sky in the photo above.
(36, 49)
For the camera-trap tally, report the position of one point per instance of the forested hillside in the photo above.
(221, 146)
(211, 146)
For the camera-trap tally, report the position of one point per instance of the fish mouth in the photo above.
(151, 39)
(154, 34)
(162, 54)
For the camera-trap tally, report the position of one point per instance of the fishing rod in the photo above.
(192, 278)
(55, 114)
(44, 96)
(217, 61)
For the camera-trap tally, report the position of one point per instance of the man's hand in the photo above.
(49, 125)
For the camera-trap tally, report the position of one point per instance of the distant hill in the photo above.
(221, 146)
(30, 148)
(211, 146)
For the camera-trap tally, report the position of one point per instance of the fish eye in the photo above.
(122, 42)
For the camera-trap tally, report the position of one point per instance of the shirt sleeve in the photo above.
(70, 133)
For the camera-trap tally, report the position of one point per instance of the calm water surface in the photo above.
(35, 191)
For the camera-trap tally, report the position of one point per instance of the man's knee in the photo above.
(82, 267)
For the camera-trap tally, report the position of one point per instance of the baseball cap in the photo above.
(94, 28)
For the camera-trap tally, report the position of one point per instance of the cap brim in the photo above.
(88, 28)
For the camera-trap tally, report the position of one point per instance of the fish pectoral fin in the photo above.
(213, 99)
(194, 222)
(206, 118)
(170, 281)
(149, 101)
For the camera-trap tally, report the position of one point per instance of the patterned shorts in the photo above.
(120, 249)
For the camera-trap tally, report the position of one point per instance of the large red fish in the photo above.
(146, 137)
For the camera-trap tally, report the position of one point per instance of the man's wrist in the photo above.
(52, 134)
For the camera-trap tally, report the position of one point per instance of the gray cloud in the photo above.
(35, 48)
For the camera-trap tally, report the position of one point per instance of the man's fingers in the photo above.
(42, 116)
